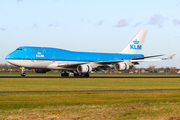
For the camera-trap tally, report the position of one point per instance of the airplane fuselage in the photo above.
(46, 57)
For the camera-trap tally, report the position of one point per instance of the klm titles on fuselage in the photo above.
(135, 45)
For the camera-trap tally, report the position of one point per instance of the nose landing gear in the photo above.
(23, 74)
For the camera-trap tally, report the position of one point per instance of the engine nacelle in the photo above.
(41, 70)
(121, 66)
(84, 69)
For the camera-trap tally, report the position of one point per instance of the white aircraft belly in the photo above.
(31, 63)
(40, 64)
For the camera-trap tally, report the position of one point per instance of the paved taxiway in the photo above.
(92, 77)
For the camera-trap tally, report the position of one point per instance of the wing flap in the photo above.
(105, 64)
(68, 65)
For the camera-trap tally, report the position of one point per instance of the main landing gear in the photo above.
(86, 75)
(76, 74)
(81, 75)
(65, 74)
(23, 74)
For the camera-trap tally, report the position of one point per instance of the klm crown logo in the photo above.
(136, 42)
(135, 46)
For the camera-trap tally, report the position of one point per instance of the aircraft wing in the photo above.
(144, 60)
(103, 65)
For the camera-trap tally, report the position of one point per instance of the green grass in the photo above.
(11, 101)
(90, 105)
(40, 84)
(30, 74)
(95, 105)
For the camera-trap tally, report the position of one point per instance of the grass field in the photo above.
(92, 74)
(95, 105)
(49, 84)
(150, 105)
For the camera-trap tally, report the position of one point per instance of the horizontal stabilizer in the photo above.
(171, 57)
(146, 57)
(144, 60)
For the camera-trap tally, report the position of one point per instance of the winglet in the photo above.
(171, 57)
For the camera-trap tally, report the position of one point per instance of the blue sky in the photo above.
(91, 25)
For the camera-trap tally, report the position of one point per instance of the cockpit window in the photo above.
(19, 49)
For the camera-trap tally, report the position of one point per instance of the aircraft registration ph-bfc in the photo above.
(44, 59)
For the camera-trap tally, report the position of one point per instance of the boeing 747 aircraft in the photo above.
(44, 59)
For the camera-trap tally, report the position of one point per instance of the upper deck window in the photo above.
(19, 49)
(49, 51)
(37, 50)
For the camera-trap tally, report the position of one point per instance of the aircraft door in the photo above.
(44, 51)
(53, 58)
(32, 58)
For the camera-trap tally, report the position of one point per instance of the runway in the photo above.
(88, 91)
(92, 77)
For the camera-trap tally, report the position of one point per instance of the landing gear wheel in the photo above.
(65, 74)
(76, 75)
(62, 75)
(86, 75)
(23, 74)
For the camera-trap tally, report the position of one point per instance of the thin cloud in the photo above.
(100, 22)
(178, 4)
(157, 20)
(177, 37)
(53, 24)
(176, 22)
(35, 25)
(137, 24)
(82, 20)
(19, 1)
(121, 23)
(32, 27)
(3, 29)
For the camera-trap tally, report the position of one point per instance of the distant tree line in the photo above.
(5, 67)
(154, 70)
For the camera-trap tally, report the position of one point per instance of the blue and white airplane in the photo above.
(44, 59)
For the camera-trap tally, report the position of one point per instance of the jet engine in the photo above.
(84, 69)
(41, 70)
(121, 66)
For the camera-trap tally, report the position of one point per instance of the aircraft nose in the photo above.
(7, 57)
